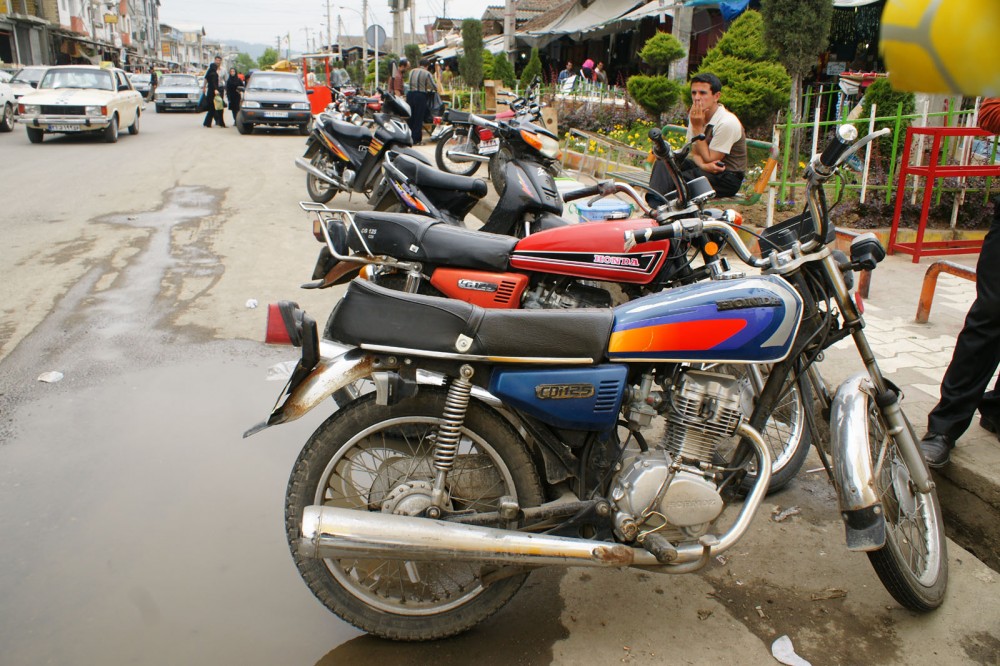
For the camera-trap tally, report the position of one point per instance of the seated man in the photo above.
(722, 156)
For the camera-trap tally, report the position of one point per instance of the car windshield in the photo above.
(29, 75)
(275, 83)
(90, 79)
(178, 80)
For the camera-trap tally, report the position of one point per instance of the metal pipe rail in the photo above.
(930, 284)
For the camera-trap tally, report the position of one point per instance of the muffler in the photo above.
(313, 171)
(331, 532)
(460, 156)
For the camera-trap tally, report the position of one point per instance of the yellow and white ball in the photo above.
(943, 46)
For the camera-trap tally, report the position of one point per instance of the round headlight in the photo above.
(251, 105)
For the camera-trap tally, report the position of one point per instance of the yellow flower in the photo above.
(802, 165)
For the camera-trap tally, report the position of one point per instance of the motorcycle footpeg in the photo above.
(660, 548)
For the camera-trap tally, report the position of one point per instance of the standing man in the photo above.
(420, 97)
(399, 75)
(977, 350)
(566, 73)
(722, 156)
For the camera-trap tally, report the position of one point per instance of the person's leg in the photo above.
(209, 117)
(220, 118)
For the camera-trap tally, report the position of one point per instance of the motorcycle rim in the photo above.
(460, 140)
(319, 190)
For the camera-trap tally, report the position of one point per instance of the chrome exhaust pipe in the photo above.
(459, 156)
(313, 171)
(331, 532)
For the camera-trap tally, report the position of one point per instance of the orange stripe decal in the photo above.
(682, 336)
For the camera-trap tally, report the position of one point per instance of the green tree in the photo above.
(384, 70)
(471, 64)
(488, 66)
(503, 70)
(267, 58)
(661, 50)
(798, 31)
(655, 94)
(244, 63)
(887, 100)
(532, 69)
(755, 85)
(413, 54)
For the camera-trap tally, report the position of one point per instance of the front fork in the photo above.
(885, 395)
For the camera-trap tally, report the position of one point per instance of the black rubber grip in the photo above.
(582, 193)
(665, 232)
(833, 151)
(659, 147)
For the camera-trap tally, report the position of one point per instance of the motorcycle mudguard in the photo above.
(312, 146)
(860, 507)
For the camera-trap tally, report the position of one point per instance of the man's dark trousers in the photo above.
(977, 350)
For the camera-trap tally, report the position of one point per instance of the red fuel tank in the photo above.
(593, 250)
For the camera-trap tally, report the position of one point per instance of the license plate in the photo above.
(63, 128)
(275, 114)
(178, 103)
(489, 147)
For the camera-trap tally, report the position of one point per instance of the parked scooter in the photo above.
(500, 441)
(341, 156)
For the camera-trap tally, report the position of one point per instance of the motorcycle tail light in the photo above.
(375, 106)
(485, 134)
(437, 120)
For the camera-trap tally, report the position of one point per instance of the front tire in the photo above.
(913, 563)
(7, 119)
(368, 458)
(320, 191)
(498, 168)
(244, 128)
(305, 129)
(111, 131)
(35, 135)
(159, 109)
(456, 139)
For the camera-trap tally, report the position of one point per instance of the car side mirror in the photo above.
(33, 84)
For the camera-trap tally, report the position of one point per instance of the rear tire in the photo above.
(133, 129)
(320, 191)
(913, 563)
(456, 139)
(35, 135)
(7, 119)
(362, 453)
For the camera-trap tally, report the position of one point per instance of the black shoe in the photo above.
(936, 449)
(990, 424)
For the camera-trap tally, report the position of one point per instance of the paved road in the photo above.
(138, 527)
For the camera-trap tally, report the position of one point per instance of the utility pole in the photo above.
(364, 44)
(329, 37)
(306, 30)
(683, 19)
(413, 22)
(508, 30)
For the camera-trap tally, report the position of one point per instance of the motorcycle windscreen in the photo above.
(751, 320)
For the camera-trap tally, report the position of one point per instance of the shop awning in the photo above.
(580, 23)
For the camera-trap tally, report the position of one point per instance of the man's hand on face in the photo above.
(698, 115)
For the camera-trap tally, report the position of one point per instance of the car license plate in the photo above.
(177, 103)
(63, 128)
(275, 114)
(489, 147)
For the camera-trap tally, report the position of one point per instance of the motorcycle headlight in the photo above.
(545, 145)
(31, 109)
(300, 106)
(95, 110)
(251, 105)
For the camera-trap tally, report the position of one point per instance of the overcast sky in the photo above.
(261, 21)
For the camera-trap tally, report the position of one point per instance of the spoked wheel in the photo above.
(380, 458)
(913, 564)
(319, 190)
(457, 139)
(785, 432)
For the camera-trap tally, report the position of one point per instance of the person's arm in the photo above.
(989, 114)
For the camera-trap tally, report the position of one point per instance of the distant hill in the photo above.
(253, 50)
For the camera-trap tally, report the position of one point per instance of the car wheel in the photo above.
(35, 135)
(133, 129)
(7, 121)
(305, 129)
(111, 131)
(244, 128)
(159, 109)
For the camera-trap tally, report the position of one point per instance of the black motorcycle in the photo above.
(343, 156)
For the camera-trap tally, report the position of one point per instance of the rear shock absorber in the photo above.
(449, 434)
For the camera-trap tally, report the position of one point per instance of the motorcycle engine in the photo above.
(704, 409)
(550, 295)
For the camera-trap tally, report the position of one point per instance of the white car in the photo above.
(7, 106)
(81, 98)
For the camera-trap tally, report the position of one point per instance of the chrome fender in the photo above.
(852, 467)
(340, 366)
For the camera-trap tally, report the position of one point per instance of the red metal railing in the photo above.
(930, 284)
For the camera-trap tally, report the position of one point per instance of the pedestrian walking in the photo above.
(209, 89)
(977, 349)
(234, 91)
(420, 97)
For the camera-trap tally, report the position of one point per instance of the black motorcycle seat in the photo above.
(343, 128)
(428, 177)
(462, 117)
(424, 239)
(374, 315)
